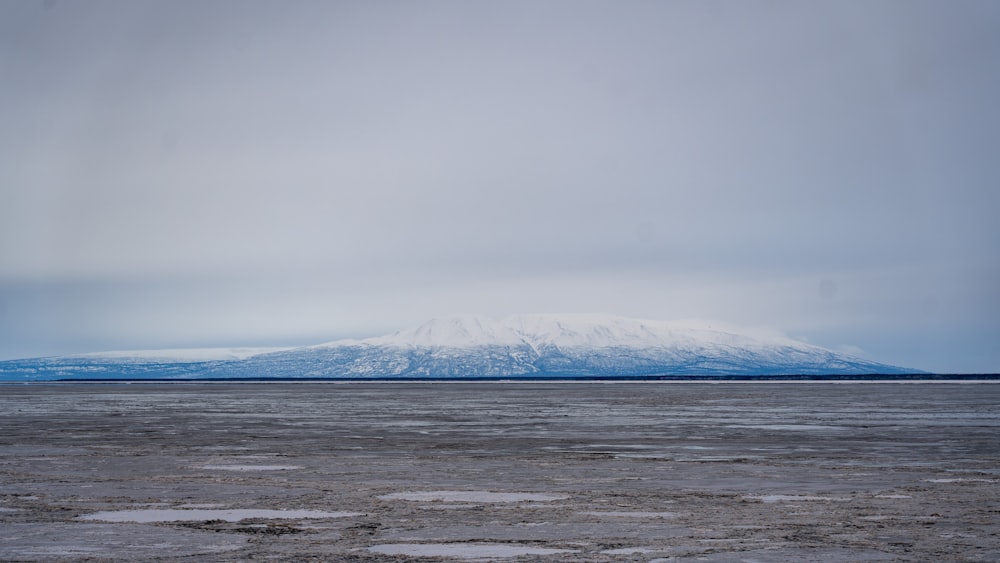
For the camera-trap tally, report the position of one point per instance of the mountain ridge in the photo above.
(560, 346)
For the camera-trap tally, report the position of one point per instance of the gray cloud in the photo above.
(280, 171)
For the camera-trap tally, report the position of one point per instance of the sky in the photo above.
(239, 173)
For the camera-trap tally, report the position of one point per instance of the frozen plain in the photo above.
(533, 471)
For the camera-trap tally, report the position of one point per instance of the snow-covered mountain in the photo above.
(180, 363)
(180, 355)
(470, 346)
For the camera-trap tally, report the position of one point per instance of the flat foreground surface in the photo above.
(493, 471)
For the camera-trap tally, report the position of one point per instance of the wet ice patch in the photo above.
(467, 551)
(794, 498)
(122, 542)
(623, 514)
(444, 506)
(659, 456)
(620, 446)
(790, 427)
(201, 505)
(250, 467)
(194, 515)
(471, 496)
(629, 551)
(961, 480)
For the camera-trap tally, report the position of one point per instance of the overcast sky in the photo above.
(188, 173)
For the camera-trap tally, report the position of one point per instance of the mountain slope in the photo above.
(518, 346)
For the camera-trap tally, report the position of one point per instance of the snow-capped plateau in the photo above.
(182, 355)
(521, 346)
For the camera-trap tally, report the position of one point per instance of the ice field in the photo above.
(499, 471)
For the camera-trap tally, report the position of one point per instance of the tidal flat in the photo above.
(533, 471)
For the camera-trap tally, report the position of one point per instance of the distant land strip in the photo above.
(805, 377)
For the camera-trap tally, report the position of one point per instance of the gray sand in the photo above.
(494, 471)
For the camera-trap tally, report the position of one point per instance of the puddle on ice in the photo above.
(717, 458)
(612, 514)
(659, 456)
(67, 551)
(250, 467)
(467, 551)
(444, 506)
(201, 505)
(629, 551)
(794, 498)
(229, 515)
(79, 541)
(620, 446)
(471, 496)
(791, 427)
(960, 480)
